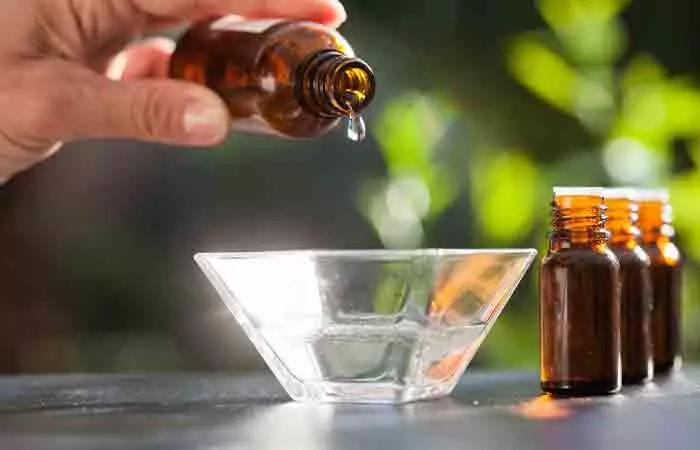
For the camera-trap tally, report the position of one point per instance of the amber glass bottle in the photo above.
(288, 78)
(657, 241)
(636, 294)
(579, 299)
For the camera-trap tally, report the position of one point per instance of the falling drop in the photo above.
(356, 128)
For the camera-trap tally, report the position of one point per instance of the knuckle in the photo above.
(143, 113)
(45, 109)
(151, 114)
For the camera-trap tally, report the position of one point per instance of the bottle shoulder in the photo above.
(254, 43)
(631, 256)
(288, 49)
(289, 45)
(581, 256)
(663, 253)
(306, 37)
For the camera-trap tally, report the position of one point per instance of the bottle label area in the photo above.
(236, 23)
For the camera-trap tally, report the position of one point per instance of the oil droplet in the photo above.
(356, 128)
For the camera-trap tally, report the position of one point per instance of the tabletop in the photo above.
(488, 410)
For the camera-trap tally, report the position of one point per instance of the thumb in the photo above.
(167, 111)
(78, 104)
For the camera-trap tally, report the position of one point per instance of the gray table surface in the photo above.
(486, 411)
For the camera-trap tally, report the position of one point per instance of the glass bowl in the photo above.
(367, 326)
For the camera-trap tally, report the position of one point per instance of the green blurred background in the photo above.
(483, 106)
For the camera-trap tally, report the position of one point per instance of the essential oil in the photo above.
(291, 79)
(579, 299)
(655, 223)
(636, 293)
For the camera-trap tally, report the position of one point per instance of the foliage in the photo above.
(580, 65)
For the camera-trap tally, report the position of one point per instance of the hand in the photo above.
(60, 79)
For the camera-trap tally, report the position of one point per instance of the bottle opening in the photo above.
(655, 214)
(353, 86)
(579, 215)
(332, 84)
(622, 216)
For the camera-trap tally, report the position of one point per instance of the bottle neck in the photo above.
(622, 217)
(332, 84)
(578, 221)
(655, 221)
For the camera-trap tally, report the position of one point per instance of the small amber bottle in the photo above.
(657, 241)
(287, 78)
(579, 299)
(636, 294)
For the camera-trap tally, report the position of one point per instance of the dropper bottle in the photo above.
(636, 293)
(579, 299)
(291, 79)
(655, 223)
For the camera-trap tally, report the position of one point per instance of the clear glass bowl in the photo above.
(367, 326)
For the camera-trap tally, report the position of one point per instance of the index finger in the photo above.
(329, 12)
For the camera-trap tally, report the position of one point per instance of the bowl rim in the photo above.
(366, 253)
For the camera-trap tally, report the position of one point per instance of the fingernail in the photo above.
(205, 124)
